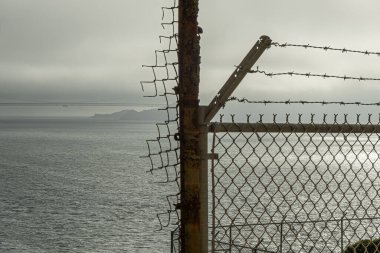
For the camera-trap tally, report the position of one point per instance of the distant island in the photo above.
(146, 115)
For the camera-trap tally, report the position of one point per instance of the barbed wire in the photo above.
(303, 102)
(326, 48)
(293, 73)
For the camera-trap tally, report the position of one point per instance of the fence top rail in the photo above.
(237, 246)
(293, 128)
(298, 222)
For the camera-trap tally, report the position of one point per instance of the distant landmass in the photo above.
(146, 115)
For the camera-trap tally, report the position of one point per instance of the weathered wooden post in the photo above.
(192, 229)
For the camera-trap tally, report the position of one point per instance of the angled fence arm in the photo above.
(236, 77)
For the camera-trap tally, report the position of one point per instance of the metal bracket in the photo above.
(212, 156)
(237, 76)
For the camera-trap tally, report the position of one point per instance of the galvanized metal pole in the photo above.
(191, 229)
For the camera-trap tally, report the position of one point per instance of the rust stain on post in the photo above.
(188, 91)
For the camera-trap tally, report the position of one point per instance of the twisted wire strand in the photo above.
(303, 102)
(325, 48)
(293, 73)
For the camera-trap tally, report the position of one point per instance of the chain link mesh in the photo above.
(281, 190)
(163, 151)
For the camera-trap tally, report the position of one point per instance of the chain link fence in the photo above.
(275, 187)
(163, 151)
(295, 187)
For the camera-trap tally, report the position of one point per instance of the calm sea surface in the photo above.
(78, 185)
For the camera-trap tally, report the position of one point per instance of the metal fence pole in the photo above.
(171, 241)
(230, 239)
(213, 233)
(191, 232)
(203, 146)
(341, 234)
(281, 234)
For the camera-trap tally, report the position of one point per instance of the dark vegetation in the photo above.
(364, 246)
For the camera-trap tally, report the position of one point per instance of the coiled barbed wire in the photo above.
(326, 48)
(293, 73)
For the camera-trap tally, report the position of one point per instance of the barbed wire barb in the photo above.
(302, 102)
(326, 48)
(324, 76)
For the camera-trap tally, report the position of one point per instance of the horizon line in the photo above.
(74, 104)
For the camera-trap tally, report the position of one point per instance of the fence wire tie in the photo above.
(248, 117)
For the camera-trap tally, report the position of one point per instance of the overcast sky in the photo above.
(92, 50)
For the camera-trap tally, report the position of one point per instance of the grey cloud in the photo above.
(232, 28)
(53, 49)
(92, 49)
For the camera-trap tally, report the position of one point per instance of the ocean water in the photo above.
(78, 185)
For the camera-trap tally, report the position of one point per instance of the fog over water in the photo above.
(62, 111)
